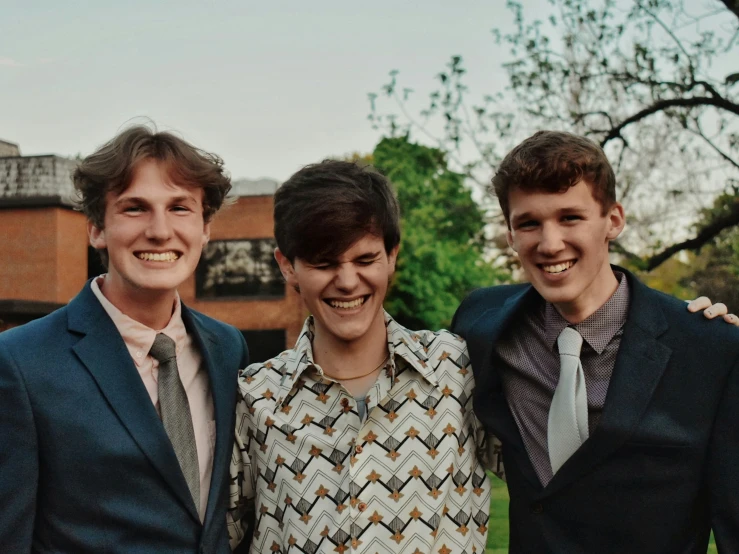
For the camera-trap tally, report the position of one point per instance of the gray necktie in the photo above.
(568, 414)
(175, 412)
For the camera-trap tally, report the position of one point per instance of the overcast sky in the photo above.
(270, 86)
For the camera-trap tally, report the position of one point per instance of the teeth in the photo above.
(347, 305)
(559, 268)
(158, 256)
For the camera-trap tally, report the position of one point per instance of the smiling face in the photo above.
(562, 242)
(345, 295)
(154, 233)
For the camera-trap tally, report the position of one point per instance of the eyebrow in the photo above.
(368, 255)
(137, 199)
(522, 217)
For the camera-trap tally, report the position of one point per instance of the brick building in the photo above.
(45, 257)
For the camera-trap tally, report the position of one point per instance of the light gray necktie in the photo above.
(568, 414)
(175, 412)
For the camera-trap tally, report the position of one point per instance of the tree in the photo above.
(715, 271)
(441, 253)
(638, 76)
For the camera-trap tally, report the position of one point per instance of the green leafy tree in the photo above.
(441, 257)
(643, 78)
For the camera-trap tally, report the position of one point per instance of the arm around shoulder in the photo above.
(18, 458)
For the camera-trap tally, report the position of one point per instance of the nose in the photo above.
(159, 228)
(551, 240)
(346, 277)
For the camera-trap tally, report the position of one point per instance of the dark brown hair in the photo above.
(554, 161)
(112, 166)
(326, 207)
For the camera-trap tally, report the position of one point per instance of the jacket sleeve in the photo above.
(244, 350)
(723, 473)
(18, 459)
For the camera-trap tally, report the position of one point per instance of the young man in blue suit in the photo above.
(617, 410)
(117, 411)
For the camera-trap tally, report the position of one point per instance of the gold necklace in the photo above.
(358, 376)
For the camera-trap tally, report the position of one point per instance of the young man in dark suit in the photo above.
(617, 410)
(117, 411)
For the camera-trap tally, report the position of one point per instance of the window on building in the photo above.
(244, 269)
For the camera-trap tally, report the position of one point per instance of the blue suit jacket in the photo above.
(85, 463)
(662, 467)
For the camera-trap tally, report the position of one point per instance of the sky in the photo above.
(269, 86)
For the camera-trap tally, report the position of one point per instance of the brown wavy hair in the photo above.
(111, 168)
(554, 161)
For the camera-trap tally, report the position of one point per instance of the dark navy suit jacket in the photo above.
(85, 463)
(661, 468)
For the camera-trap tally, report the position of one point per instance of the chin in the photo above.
(556, 295)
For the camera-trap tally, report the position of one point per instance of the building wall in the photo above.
(249, 218)
(71, 253)
(43, 254)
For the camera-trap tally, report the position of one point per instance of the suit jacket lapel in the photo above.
(490, 401)
(103, 352)
(640, 363)
(223, 390)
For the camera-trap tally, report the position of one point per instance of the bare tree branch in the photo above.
(710, 143)
(662, 105)
(702, 237)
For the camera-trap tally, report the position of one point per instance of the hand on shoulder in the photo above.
(711, 311)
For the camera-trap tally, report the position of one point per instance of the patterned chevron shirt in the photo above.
(405, 479)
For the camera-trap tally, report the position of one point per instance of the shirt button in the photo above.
(537, 508)
(361, 506)
(358, 449)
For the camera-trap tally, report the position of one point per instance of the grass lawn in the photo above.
(498, 528)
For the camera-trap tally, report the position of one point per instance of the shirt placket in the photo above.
(361, 486)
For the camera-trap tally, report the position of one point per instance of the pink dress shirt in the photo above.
(139, 338)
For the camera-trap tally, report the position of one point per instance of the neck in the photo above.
(591, 299)
(150, 308)
(347, 359)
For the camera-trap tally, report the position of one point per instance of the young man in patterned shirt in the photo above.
(362, 437)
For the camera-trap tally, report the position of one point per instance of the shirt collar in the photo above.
(600, 327)
(403, 346)
(138, 337)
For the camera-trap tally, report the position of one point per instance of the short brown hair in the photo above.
(554, 161)
(326, 207)
(112, 166)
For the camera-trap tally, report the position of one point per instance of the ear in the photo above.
(287, 269)
(509, 239)
(206, 233)
(616, 221)
(392, 257)
(97, 236)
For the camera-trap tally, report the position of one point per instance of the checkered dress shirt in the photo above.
(406, 479)
(529, 363)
